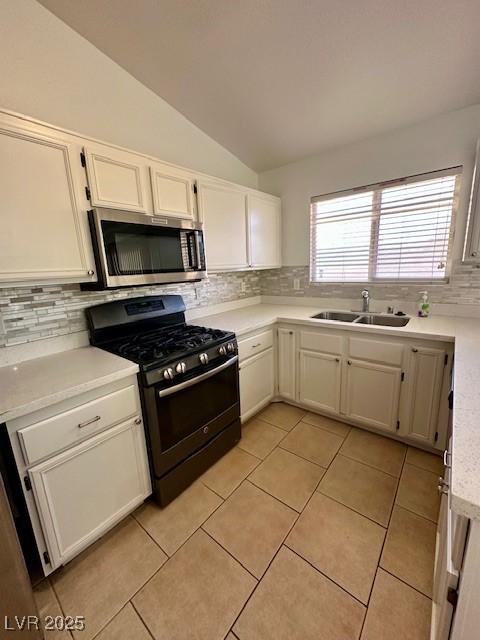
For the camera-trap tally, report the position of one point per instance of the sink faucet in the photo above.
(365, 300)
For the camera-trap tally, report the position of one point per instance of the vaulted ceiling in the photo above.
(276, 80)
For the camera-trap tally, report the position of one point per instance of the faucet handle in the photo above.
(365, 293)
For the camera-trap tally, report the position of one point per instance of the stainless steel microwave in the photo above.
(134, 249)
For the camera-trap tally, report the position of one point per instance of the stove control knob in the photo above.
(222, 351)
(203, 357)
(230, 347)
(181, 367)
(168, 374)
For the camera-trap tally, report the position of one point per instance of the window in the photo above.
(399, 230)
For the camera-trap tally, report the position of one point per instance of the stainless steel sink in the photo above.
(359, 318)
(384, 321)
(341, 316)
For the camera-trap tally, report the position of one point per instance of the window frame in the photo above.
(376, 187)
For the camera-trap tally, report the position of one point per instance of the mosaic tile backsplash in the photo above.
(33, 313)
(463, 287)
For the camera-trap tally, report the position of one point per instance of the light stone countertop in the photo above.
(465, 332)
(34, 384)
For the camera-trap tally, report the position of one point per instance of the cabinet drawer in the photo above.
(387, 352)
(324, 342)
(44, 438)
(255, 344)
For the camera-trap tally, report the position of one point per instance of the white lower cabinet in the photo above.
(257, 383)
(426, 369)
(385, 382)
(84, 466)
(81, 492)
(372, 394)
(286, 363)
(320, 381)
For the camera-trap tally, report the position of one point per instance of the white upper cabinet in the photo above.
(264, 230)
(45, 232)
(117, 179)
(173, 192)
(472, 244)
(222, 209)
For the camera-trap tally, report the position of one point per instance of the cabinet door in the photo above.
(44, 233)
(286, 363)
(256, 383)
(223, 213)
(264, 231)
(118, 180)
(425, 376)
(84, 491)
(320, 381)
(372, 393)
(173, 192)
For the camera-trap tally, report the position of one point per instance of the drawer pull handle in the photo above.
(254, 346)
(446, 453)
(87, 422)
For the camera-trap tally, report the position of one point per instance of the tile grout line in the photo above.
(405, 583)
(141, 619)
(327, 577)
(384, 540)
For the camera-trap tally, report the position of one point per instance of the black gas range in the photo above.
(188, 382)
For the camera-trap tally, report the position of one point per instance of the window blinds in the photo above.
(396, 230)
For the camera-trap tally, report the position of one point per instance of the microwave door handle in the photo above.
(204, 376)
(198, 248)
(192, 251)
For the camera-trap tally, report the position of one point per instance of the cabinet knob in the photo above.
(291, 333)
(474, 253)
(337, 359)
(414, 350)
(91, 272)
(138, 421)
(349, 362)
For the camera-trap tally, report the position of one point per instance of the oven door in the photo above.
(182, 418)
(134, 249)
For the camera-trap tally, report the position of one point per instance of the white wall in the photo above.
(441, 142)
(49, 72)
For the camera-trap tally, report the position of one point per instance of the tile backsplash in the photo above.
(33, 313)
(462, 288)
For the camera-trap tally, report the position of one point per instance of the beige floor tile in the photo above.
(259, 438)
(100, 581)
(296, 602)
(48, 605)
(197, 594)
(126, 625)
(251, 525)
(396, 611)
(287, 477)
(334, 426)
(379, 452)
(418, 492)
(282, 415)
(409, 551)
(316, 445)
(175, 523)
(226, 475)
(364, 489)
(425, 460)
(342, 544)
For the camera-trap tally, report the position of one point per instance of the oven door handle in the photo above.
(204, 376)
